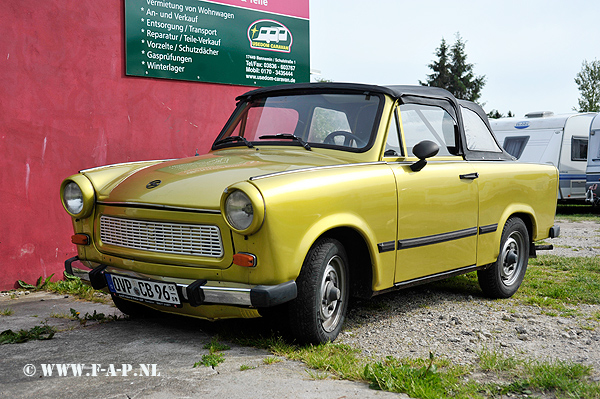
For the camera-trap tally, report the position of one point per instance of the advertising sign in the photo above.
(242, 42)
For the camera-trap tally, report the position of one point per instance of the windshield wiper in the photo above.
(232, 139)
(286, 136)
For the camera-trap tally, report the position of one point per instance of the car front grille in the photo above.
(172, 238)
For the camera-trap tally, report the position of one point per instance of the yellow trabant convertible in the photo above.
(311, 194)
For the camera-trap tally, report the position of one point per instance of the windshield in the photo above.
(344, 121)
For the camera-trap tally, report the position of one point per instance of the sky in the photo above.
(530, 51)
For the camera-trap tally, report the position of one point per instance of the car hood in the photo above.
(199, 182)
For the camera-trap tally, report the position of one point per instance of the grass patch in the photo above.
(210, 360)
(35, 333)
(71, 285)
(6, 312)
(523, 376)
(559, 282)
(215, 346)
(272, 360)
(578, 213)
(214, 356)
(438, 378)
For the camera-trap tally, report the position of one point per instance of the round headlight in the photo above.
(239, 210)
(243, 208)
(78, 196)
(73, 198)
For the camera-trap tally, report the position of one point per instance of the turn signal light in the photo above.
(80, 239)
(244, 259)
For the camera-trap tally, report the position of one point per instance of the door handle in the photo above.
(470, 176)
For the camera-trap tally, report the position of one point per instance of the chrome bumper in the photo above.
(196, 292)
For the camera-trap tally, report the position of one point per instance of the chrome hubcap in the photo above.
(331, 293)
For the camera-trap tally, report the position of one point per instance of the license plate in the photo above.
(148, 291)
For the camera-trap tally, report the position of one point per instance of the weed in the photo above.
(272, 360)
(245, 367)
(62, 316)
(36, 333)
(6, 312)
(99, 317)
(215, 346)
(212, 360)
(40, 284)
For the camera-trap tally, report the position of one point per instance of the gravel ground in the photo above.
(413, 322)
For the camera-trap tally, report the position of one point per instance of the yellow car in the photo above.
(313, 193)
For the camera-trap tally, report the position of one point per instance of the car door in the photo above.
(437, 205)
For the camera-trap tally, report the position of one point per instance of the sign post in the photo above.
(241, 42)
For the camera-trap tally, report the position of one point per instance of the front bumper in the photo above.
(198, 292)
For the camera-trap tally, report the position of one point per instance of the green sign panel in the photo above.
(242, 42)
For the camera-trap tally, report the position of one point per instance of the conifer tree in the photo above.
(452, 72)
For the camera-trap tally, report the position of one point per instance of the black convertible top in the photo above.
(405, 94)
(395, 91)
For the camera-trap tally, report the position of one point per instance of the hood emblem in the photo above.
(153, 184)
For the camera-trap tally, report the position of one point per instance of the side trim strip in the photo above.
(386, 246)
(490, 228)
(437, 238)
(159, 207)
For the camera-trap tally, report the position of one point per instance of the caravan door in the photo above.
(593, 164)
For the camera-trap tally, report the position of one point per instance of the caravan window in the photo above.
(579, 148)
(515, 145)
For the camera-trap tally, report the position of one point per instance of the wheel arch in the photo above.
(359, 258)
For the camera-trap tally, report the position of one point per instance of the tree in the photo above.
(453, 73)
(588, 82)
(495, 114)
(441, 68)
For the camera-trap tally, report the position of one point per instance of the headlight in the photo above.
(243, 207)
(238, 210)
(73, 198)
(78, 197)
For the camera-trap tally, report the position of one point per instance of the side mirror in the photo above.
(423, 150)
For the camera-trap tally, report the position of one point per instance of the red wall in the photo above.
(66, 105)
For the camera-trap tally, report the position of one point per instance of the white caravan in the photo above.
(593, 164)
(560, 140)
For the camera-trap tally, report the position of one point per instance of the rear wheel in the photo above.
(503, 278)
(319, 311)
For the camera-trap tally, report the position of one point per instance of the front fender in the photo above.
(301, 207)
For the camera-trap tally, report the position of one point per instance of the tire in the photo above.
(318, 313)
(133, 310)
(503, 278)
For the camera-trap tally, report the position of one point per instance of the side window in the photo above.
(325, 121)
(579, 148)
(479, 137)
(426, 122)
(515, 145)
(393, 148)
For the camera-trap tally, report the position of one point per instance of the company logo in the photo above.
(522, 125)
(153, 184)
(266, 34)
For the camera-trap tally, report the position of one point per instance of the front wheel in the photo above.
(503, 278)
(318, 312)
